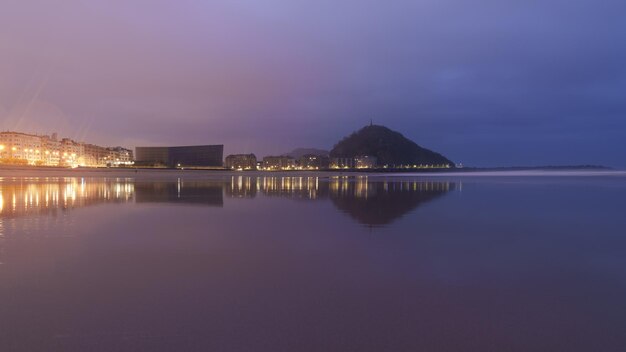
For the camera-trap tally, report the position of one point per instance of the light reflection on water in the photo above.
(368, 202)
(312, 264)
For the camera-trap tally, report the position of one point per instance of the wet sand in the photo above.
(159, 173)
(151, 174)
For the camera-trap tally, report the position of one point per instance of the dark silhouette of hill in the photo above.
(390, 147)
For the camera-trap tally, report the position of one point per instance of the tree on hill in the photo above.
(390, 147)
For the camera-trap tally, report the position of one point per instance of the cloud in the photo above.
(268, 76)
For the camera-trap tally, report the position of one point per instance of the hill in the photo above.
(390, 147)
(299, 152)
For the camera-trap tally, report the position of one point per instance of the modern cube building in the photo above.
(204, 156)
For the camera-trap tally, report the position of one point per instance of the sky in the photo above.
(484, 82)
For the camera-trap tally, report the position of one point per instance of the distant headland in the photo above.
(372, 148)
(388, 148)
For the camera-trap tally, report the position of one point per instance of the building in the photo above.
(52, 150)
(282, 162)
(314, 162)
(21, 148)
(95, 155)
(240, 162)
(119, 156)
(342, 163)
(72, 153)
(365, 162)
(152, 156)
(30, 149)
(201, 156)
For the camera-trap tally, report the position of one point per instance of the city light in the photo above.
(42, 150)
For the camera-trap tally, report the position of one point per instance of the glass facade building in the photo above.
(184, 156)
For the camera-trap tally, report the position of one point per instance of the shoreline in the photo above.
(34, 171)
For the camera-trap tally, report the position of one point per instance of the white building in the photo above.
(28, 149)
(21, 148)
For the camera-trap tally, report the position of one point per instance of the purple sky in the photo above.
(485, 82)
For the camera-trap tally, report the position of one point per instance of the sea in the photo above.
(205, 261)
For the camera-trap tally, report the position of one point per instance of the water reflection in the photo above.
(48, 196)
(45, 200)
(381, 203)
(180, 192)
(286, 264)
(368, 201)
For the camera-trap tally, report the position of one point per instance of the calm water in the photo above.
(313, 264)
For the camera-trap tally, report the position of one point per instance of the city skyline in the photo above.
(534, 84)
(19, 148)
